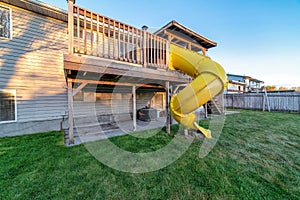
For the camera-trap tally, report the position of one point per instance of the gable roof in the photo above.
(174, 26)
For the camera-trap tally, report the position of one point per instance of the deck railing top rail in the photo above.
(97, 35)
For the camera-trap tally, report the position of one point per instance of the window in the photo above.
(8, 108)
(5, 23)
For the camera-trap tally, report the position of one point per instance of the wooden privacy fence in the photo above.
(97, 35)
(287, 102)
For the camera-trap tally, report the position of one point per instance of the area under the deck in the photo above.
(125, 127)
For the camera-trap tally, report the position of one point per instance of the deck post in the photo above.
(134, 107)
(144, 28)
(168, 52)
(168, 121)
(70, 108)
(71, 25)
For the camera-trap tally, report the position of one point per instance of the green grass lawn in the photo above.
(256, 157)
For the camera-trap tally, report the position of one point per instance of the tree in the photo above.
(297, 89)
(271, 88)
(283, 88)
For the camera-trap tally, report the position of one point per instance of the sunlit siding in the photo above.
(32, 64)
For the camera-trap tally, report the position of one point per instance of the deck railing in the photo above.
(97, 35)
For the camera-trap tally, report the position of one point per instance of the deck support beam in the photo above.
(80, 87)
(70, 108)
(168, 121)
(82, 81)
(134, 107)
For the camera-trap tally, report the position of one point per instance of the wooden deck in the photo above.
(97, 35)
(105, 53)
(100, 66)
(101, 45)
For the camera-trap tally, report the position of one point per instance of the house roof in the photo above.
(174, 26)
(40, 8)
(253, 79)
(246, 77)
(256, 80)
(241, 76)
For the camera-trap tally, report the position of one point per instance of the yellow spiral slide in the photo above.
(209, 80)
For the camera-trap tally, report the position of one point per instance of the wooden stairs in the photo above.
(215, 105)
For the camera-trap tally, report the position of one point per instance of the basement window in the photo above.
(8, 106)
(5, 23)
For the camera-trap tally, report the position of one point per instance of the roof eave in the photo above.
(175, 23)
(44, 8)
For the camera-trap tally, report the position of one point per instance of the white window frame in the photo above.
(11, 23)
(14, 92)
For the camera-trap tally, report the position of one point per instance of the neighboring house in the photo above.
(53, 71)
(236, 84)
(242, 84)
(253, 85)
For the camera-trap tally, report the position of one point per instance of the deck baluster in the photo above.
(92, 35)
(97, 35)
(103, 36)
(119, 40)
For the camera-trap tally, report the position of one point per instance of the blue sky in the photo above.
(256, 38)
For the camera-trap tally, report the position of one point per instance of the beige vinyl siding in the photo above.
(108, 103)
(143, 99)
(32, 64)
(108, 108)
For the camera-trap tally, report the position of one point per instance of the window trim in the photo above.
(11, 24)
(14, 92)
